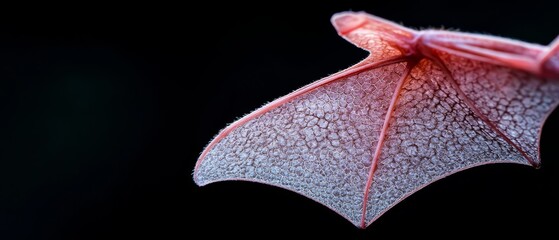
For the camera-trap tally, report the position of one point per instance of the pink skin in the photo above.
(415, 46)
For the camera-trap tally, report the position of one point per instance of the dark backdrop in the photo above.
(105, 110)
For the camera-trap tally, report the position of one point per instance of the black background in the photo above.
(105, 110)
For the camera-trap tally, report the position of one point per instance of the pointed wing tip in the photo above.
(362, 226)
(346, 22)
(199, 177)
(195, 172)
(534, 162)
(195, 177)
(199, 181)
(536, 165)
(202, 157)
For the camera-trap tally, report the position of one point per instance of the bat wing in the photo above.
(434, 132)
(317, 141)
(514, 103)
(318, 144)
(320, 141)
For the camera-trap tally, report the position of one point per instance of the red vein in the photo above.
(553, 49)
(470, 103)
(280, 101)
(380, 142)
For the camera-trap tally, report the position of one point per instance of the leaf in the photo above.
(422, 106)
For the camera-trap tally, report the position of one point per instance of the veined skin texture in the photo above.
(422, 106)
